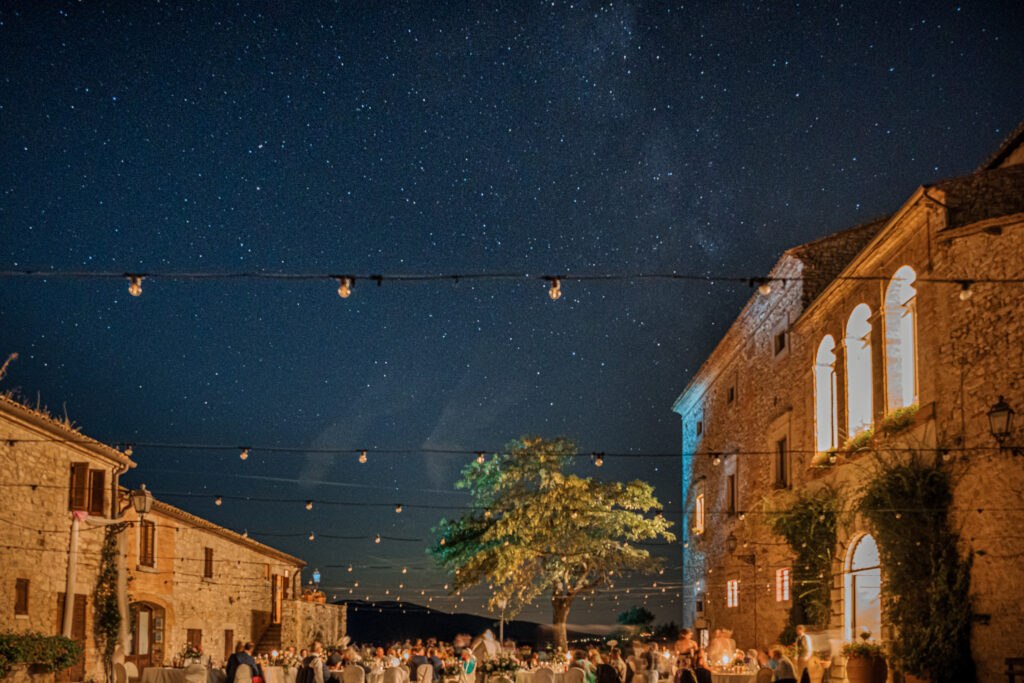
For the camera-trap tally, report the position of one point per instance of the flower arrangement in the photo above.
(285, 659)
(504, 664)
(863, 650)
(452, 667)
(558, 656)
(191, 651)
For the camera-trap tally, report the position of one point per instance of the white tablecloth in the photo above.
(733, 678)
(527, 677)
(166, 674)
(279, 674)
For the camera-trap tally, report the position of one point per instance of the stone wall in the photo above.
(968, 353)
(304, 622)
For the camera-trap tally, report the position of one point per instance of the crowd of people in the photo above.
(685, 661)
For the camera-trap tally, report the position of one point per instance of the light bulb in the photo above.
(598, 460)
(398, 508)
(134, 284)
(311, 536)
(404, 570)
(555, 291)
(350, 567)
(480, 457)
(487, 513)
(574, 515)
(218, 500)
(128, 450)
(244, 455)
(344, 287)
(309, 505)
(245, 533)
(965, 290)
(362, 456)
(743, 516)
(377, 540)
(355, 585)
(442, 542)
(717, 461)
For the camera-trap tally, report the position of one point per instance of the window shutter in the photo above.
(79, 495)
(97, 486)
(21, 596)
(208, 563)
(147, 536)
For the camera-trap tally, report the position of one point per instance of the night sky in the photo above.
(546, 138)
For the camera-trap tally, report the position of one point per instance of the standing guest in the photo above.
(242, 656)
(619, 664)
(803, 649)
(433, 656)
(313, 669)
(685, 643)
(784, 672)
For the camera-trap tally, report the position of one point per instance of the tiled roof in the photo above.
(1012, 140)
(983, 195)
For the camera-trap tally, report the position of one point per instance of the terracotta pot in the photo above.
(866, 670)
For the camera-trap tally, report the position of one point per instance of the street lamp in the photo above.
(1000, 420)
(316, 578)
(142, 501)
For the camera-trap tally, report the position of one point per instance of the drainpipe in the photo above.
(69, 591)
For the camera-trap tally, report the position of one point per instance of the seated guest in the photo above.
(313, 669)
(435, 660)
(242, 656)
(784, 671)
(700, 667)
(417, 660)
(334, 662)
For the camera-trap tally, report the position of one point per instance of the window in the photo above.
(900, 340)
(208, 563)
(730, 494)
(779, 343)
(195, 636)
(781, 468)
(21, 597)
(858, 371)
(781, 585)
(732, 594)
(147, 544)
(698, 515)
(700, 427)
(826, 417)
(730, 395)
(87, 489)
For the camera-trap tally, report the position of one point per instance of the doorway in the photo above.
(863, 585)
(147, 635)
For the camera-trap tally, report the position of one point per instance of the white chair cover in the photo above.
(243, 674)
(424, 673)
(543, 675)
(393, 675)
(131, 670)
(575, 675)
(353, 674)
(120, 674)
(640, 677)
(404, 669)
(196, 673)
(502, 678)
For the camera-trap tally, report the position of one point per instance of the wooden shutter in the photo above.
(208, 563)
(147, 536)
(195, 636)
(21, 596)
(97, 487)
(79, 492)
(229, 644)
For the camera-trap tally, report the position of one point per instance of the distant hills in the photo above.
(382, 622)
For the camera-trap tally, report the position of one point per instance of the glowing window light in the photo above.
(781, 585)
(732, 593)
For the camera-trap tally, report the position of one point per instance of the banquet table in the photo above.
(750, 677)
(166, 674)
(279, 674)
(528, 676)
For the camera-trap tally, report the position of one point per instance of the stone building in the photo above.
(182, 579)
(887, 319)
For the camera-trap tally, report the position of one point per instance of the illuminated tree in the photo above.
(537, 529)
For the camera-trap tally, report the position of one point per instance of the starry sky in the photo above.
(547, 138)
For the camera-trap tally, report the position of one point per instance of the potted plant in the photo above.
(865, 662)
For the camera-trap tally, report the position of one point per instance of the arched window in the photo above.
(858, 370)
(863, 583)
(825, 416)
(900, 333)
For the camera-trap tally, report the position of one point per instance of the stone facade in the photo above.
(184, 578)
(38, 455)
(756, 394)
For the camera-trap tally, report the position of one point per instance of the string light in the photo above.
(362, 456)
(598, 459)
(717, 460)
(244, 455)
(128, 450)
(965, 290)
(311, 535)
(404, 570)
(377, 539)
(218, 501)
(309, 505)
(480, 457)
(350, 567)
(398, 508)
(344, 287)
(134, 284)
(555, 291)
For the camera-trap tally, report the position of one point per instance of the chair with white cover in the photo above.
(393, 675)
(543, 675)
(575, 675)
(765, 675)
(120, 673)
(353, 674)
(132, 671)
(424, 673)
(502, 678)
(243, 674)
(639, 677)
(196, 673)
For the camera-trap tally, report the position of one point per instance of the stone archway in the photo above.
(863, 584)
(148, 628)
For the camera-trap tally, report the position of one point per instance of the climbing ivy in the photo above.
(107, 620)
(808, 524)
(925, 592)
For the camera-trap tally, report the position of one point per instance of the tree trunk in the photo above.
(559, 615)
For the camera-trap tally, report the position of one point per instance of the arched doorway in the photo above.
(863, 590)
(147, 635)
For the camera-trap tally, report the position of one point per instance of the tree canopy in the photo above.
(536, 528)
